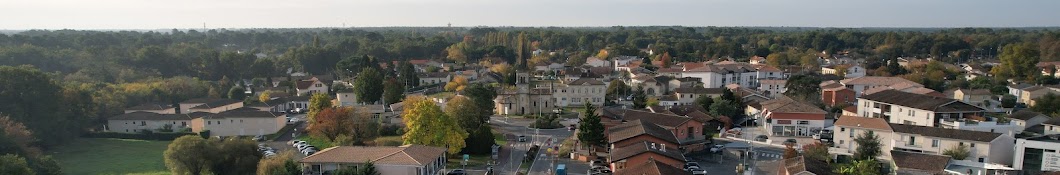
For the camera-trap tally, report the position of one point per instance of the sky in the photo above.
(185, 14)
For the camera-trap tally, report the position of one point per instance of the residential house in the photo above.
(668, 100)
(787, 117)
(281, 104)
(769, 72)
(978, 97)
(984, 147)
(153, 108)
(652, 168)
(471, 75)
(912, 163)
(1030, 94)
(597, 62)
(652, 85)
(670, 71)
(401, 160)
(845, 70)
(1036, 155)
(638, 132)
(580, 91)
(773, 87)
(688, 130)
(139, 121)
(860, 84)
(916, 109)
(1051, 126)
(686, 82)
(345, 98)
(1049, 68)
(688, 96)
(833, 94)
(1017, 90)
(847, 128)
(240, 122)
(723, 73)
(310, 86)
(1027, 118)
(802, 166)
(210, 105)
(431, 78)
(626, 157)
(624, 61)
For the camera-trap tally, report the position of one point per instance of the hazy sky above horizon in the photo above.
(166, 14)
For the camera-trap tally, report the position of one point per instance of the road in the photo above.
(280, 143)
(514, 127)
(726, 163)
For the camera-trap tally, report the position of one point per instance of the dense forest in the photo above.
(59, 84)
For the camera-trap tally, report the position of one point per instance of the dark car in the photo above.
(761, 138)
(790, 142)
(456, 172)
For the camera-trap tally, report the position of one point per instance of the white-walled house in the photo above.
(984, 147)
(786, 117)
(847, 128)
(310, 86)
(852, 71)
(916, 109)
(723, 73)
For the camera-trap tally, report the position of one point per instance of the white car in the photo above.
(717, 148)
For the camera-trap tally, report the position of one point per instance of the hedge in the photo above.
(139, 136)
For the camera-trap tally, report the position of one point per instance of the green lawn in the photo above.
(319, 143)
(112, 156)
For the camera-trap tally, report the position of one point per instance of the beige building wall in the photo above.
(243, 126)
(134, 126)
(844, 136)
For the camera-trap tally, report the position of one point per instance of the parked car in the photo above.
(259, 138)
(691, 165)
(598, 170)
(522, 138)
(309, 152)
(717, 148)
(456, 172)
(696, 171)
(761, 138)
(572, 127)
(790, 142)
(297, 142)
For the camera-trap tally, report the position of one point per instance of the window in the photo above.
(851, 132)
(841, 129)
(143, 123)
(840, 142)
(935, 143)
(319, 85)
(912, 140)
(981, 159)
(971, 145)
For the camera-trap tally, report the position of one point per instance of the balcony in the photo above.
(907, 145)
(977, 123)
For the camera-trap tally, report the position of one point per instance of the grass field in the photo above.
(112, 156)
